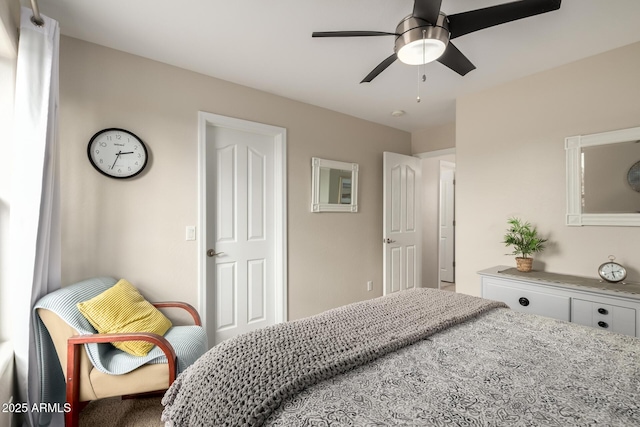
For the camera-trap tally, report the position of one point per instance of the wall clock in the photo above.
(612, 271)
(633, 176)
(117, 153)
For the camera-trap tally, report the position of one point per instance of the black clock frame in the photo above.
(633, 177)
(100, 132)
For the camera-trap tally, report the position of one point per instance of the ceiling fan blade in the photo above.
(350, 33)
(456, 60)
(474, 20)
(428, 10)
(380, 68)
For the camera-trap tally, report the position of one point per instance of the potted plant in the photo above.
(525, 241)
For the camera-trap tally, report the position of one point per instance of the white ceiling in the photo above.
(267, 45)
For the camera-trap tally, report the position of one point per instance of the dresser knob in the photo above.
(603, 311)
(523, 301)
(603, 324)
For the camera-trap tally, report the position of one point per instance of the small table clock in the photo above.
(611, 271)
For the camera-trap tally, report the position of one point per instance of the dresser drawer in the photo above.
(582, 300)
(604, 316)
(528, 301)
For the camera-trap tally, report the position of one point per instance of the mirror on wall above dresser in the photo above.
(334, 186)
(603, 178)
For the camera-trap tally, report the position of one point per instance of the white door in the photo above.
(240, 232)
(447, 225)
(401, 217)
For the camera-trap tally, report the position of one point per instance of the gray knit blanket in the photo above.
(241, 381)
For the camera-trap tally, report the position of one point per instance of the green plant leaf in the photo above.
(523, 237)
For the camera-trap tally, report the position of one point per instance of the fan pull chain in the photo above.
(424, 59)
(424, 76)
(418, 98)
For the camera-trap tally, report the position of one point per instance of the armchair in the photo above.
(93, 368)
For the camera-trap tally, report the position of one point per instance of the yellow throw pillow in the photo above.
(121, 308)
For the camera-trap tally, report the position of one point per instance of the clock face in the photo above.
(612, 272)
(117, 153)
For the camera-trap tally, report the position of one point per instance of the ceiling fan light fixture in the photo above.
(423, 24)
(420, 42)
(420, 52)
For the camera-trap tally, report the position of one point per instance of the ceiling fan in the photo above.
(424, 35)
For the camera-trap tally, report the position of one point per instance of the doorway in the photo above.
(431, 231)
(241, 225)
(419, 253)
(446, 225)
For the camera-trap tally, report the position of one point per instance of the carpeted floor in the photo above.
(117, 412)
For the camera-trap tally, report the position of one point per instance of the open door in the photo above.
(402, 177)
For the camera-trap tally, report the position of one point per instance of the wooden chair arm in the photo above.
(74, 345)
(155, 339)
(183, 305)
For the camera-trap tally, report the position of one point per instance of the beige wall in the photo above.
(511, 161)
(9, 22)
(434, 138)
(136, 228)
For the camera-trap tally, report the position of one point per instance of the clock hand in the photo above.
(117, 156)
(128, 152)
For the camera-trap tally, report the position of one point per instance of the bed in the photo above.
(419, 357)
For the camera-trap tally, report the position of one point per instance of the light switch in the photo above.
(191, 232)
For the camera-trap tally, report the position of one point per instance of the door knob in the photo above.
(389, 241)
(211, 253)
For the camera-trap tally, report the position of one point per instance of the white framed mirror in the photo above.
(334, 186)
(603, 178)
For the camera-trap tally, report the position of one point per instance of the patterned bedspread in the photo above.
(501, 369)
(241, 381)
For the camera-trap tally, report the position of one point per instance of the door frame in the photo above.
(279, 135)
(446, 165)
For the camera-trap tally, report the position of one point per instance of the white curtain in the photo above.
(35, 218)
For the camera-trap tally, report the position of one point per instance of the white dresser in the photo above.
(587, 301)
